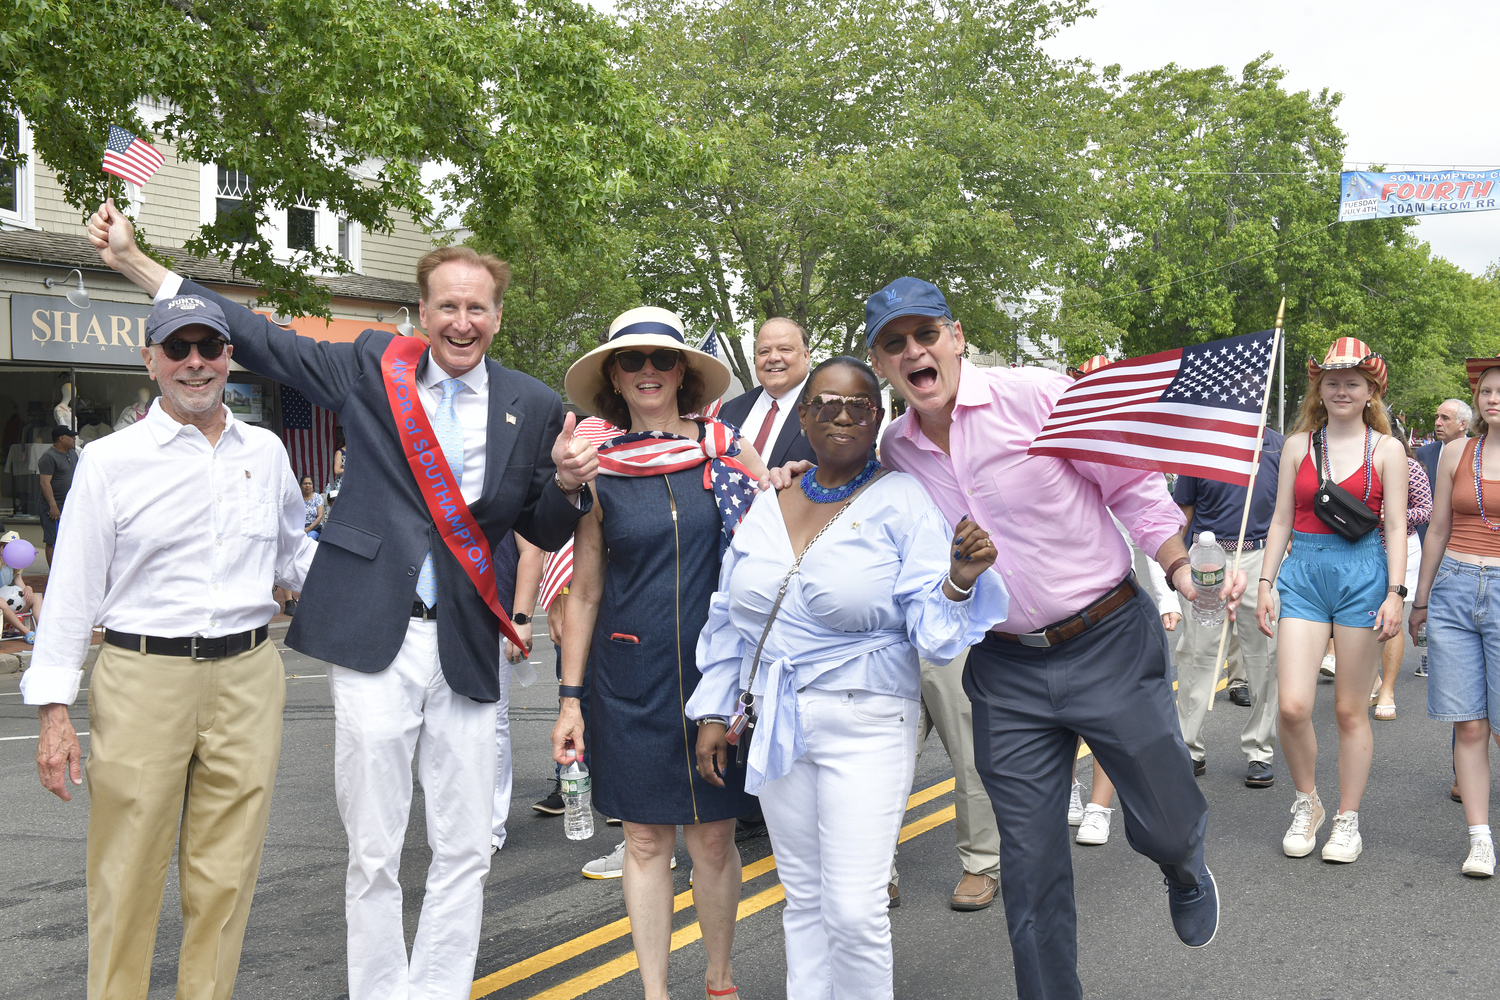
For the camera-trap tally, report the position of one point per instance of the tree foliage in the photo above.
(340, 102)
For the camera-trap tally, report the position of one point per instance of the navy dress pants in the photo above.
(1110, 686)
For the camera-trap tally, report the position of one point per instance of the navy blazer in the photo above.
(356, 603)
(790, 445)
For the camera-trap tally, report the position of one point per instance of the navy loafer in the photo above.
(1195, 910)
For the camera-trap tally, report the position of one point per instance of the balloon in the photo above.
(18, 554)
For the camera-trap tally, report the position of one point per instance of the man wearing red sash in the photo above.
(453, 450)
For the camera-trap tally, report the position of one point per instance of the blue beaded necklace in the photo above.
(821, 494)
(1479, 482)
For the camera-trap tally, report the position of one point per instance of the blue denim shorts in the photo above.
(1463, 643)
(1327, 578)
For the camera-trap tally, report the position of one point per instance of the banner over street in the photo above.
(1366, 195)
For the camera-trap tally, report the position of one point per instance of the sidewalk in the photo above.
(15, 654)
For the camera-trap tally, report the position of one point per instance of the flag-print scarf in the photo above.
(655, 453)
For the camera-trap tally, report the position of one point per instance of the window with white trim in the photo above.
(304, 225)
(15, 170)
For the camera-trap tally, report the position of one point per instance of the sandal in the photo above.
(732, 991)
(1385, 713)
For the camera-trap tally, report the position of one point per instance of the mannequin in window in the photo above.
(135, 411)
(64, 410)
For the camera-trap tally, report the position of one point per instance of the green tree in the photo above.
(860, 142)
(340, 102)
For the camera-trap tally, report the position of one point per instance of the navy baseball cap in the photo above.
(170, 315)
(902, 297)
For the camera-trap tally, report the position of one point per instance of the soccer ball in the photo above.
(13, 597)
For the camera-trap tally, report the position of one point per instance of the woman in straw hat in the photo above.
(1457, 599)
(1329, 584)
(645, 562)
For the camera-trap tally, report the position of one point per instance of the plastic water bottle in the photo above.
(578, 798)
(1422, 645)
(1208, 579)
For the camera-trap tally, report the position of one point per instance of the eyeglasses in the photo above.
(178, 349)
(894, 344)
(663, 360)
(826, 407)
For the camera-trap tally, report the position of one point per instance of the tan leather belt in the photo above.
(1071, 628)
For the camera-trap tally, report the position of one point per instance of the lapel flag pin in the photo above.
(510, 418)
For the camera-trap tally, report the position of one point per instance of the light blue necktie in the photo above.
(450, 435)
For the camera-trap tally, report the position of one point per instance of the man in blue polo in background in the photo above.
(1210, 505)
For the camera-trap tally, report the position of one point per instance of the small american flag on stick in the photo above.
(130, 158)
(1194, 411)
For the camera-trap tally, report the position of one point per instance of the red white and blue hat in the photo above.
(1349, 352)
(646, 328)
(1090, 366)
(1476, 367)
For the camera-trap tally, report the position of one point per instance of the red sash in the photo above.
(398, 368)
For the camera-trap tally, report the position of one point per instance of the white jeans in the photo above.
(380, 720)
(503, 772)
(834, 820)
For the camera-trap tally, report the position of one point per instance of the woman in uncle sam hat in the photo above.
(1458, 603)
(1352, 590)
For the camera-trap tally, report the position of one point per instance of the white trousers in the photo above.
(834, 820)
(503, 771)
(380, 721)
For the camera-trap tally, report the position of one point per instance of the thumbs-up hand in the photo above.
(576, 459)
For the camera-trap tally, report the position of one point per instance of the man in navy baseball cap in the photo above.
(902, 297)
(173, 314)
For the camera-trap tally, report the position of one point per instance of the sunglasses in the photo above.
(178, 349)
(895, 344)
(826, 407)
(663, 360)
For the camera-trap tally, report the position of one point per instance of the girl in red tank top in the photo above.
(1332, 587)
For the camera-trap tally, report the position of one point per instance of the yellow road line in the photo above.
(544, 960)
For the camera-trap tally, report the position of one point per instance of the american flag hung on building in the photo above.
(308, 433)
(1195, 411)
(130, 158)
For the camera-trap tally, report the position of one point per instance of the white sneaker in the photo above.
(1094, 829)
(612, 865)
(1307, 818)
(1481, 860)
(1327, 668)
(1075, 805)
(1344, 843)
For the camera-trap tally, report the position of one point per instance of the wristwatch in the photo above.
(521, 618)
(1397, 588)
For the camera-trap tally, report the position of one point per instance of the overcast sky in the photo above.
(1417, 79)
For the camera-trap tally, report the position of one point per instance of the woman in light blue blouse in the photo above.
(882, 581)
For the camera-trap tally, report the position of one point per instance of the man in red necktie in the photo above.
(768, 415)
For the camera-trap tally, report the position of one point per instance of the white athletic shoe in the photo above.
(1344, 843)
(1481, 860)
(1307, 818)
(612, 865)
(1327, 668)
(1094, 829)
(1075, 805)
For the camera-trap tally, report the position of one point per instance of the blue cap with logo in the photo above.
(170, 315)
(902, 297)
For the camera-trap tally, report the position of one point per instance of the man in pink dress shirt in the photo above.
(1083, 652)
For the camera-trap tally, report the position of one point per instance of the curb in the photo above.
(16, 663)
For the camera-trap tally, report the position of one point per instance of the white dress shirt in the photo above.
(786, 404)
(167, 535)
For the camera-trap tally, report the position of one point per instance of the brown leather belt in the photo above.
(1071, 628)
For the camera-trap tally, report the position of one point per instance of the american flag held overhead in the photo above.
(1193, 411)
(130, 158)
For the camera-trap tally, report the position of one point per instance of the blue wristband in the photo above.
(570, 691)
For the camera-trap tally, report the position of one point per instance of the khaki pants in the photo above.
(1197, 674)
(946, 708)
(182, 753)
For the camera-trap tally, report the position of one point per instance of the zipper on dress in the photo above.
(677, 597)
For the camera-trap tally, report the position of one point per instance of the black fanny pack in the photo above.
(1335, 506)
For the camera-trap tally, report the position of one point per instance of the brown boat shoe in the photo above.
(974, 892)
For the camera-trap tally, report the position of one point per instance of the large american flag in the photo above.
(309, 436)
(557, 573)
(1195, 411)
(710, 346)
(130, 158)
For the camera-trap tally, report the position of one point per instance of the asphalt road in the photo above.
(1400, 923)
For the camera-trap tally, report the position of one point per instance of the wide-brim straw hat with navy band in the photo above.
(646, 328)
(1349, 352)
(1476, 367)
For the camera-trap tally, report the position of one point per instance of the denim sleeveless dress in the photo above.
(661, 534)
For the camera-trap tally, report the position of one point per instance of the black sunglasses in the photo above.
(178, 349)
(663, 360)
(826, 407)
(894, 344)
